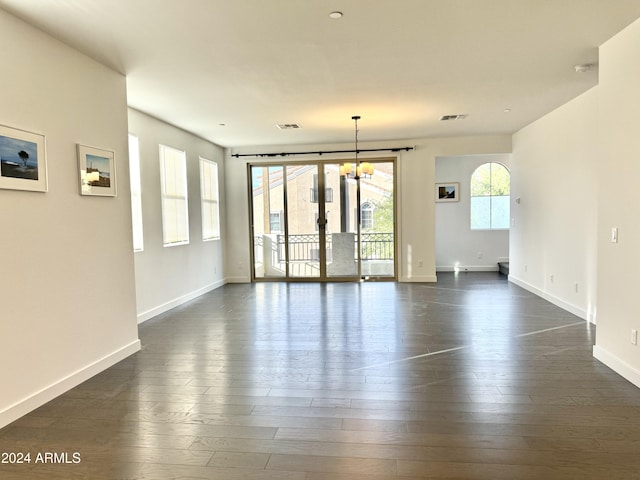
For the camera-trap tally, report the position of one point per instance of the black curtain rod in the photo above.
(286, 154)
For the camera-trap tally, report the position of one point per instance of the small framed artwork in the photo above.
(23, 163)
(97, 171)
(447, 192)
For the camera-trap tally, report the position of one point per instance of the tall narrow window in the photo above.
(328, 191)
(175, 210)
(275, 222)
(136, 193)
(366, 216)
(490, 194)
(210, 199)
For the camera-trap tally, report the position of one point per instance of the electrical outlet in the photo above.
(551, 278)
(420, 264)
(634, 336)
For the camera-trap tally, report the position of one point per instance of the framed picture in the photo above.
(447, 192)
(23, 163)
(97, 171)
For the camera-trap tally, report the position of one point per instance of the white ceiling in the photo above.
(400, 64)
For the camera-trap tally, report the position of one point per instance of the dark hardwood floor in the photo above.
(470, 378)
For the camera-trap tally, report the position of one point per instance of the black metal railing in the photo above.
(306, 247)
(377, 246)
(302, 247)
(258, 250)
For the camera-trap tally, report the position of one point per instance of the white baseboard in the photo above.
(475, 268)
(242, 279)
(619, 366)
(37, 399)
(418, 279)
(569, 307)
(152, 312)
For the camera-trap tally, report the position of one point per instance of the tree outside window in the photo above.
(490, 197)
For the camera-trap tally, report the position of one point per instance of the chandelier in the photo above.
(356, 170)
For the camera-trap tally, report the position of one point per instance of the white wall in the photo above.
(553, 245)
(619, 174)
(415, 197)
(457, 246)
(67, 302)
(169, 276)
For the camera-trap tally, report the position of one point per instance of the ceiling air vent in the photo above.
(453, 117)
(287, 126)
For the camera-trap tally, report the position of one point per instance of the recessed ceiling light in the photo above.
(335, 15)
(506, 110)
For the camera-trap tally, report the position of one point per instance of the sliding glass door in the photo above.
(302, 240)
(377, 222)
(310, 223)
(268, 221)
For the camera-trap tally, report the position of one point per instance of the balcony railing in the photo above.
(302, 247)
(377, 246)
(306, 247)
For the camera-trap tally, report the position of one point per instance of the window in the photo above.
(275, 223)
(210, 199)
(490, 193)
(328, 191)
(136, 193)
(366, 216)
(175, 210)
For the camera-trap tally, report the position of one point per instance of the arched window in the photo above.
(366, 216)
(490, 193)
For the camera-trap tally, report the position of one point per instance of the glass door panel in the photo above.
(302, 233)
(377, 222)
(267, 188)
(305, 222)
(340, 210)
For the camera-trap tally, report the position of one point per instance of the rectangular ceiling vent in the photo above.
(287, 126)
(453, 117)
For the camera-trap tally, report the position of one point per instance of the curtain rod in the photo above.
(321, 152)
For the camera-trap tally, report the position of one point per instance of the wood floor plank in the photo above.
(240, 460)
(474, 471)
(462, 379)
(344, 464)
